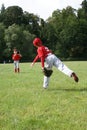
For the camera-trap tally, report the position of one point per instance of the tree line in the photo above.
(65, 32)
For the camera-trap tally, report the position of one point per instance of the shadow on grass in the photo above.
(69, 90)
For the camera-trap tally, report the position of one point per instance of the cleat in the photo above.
(75, 77)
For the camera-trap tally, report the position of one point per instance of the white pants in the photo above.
(51, 61)
(16, 64)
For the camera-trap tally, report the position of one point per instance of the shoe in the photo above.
(45, 87)
(75, 77)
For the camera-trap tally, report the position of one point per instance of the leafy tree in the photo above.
(60, 21)
(84, 7)
(2, 8)
(65, 32)
(2, 42)
(21, 39)
(32, 23)
(82, 30)
(13, 14)
(82, 12)
(2, 13)
(70, 33)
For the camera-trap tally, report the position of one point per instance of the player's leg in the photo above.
(18, 69)
(63, 68)
(15, 67)
(48, 65)
(46, 81)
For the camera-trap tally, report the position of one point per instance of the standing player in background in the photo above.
(16, 58)
(46, 55)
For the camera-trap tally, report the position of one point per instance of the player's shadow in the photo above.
(69, 89)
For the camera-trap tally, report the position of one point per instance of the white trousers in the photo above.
(16, 64)
(51, 61)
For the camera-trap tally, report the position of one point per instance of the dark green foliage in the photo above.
(13, 15)
(65, 32)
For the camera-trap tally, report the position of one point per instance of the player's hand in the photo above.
(32, 64)
(42, 68)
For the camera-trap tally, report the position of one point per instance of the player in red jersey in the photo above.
(16, 58)
(46, 55)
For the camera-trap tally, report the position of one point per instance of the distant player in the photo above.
(16, 58)
(46, 55)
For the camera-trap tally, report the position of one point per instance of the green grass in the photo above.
(25, 105)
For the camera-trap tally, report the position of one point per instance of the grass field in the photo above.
(25, 105)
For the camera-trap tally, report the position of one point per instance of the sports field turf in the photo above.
(25, 105)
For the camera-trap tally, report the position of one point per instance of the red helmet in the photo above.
(37, 42)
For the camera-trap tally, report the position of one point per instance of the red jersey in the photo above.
(43, 52)
(16, 57)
